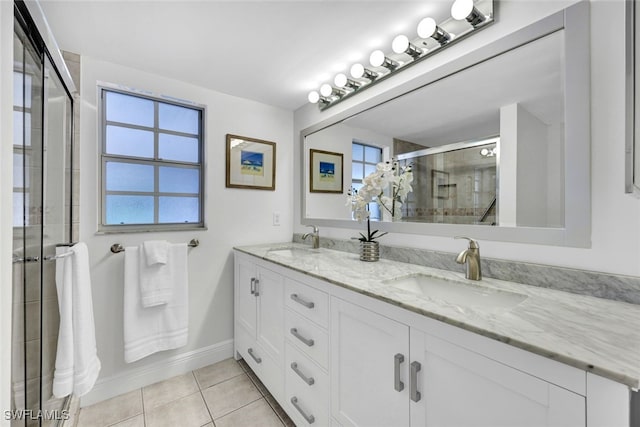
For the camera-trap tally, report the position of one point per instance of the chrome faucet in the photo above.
(471, 257)
(315, 235)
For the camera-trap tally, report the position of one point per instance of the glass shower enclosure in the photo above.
(42, 215)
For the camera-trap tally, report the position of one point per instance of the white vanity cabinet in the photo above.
(385, 373)
(331, 356)
(259, 321)
(369, 355)
(453, 386)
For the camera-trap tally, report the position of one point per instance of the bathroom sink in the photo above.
(291, 252)
(458, 293)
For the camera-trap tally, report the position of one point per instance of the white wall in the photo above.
(336, 139)
(6, 212)
(615, 216)
(233, 217)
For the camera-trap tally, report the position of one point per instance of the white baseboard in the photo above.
(179, 364)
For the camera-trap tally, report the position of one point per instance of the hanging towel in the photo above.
(162, 327)
(156, 272)
(156, 251)
(77, 364)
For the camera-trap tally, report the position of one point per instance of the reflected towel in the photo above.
(151, 329)
(77, 364)
(157, 270)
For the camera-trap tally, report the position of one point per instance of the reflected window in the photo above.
(152, 167)
(364, 159)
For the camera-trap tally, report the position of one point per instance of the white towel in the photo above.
(151, 329)
(156, 251)
(156, 277)
(77, 364)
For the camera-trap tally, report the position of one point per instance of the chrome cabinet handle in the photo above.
(397, 360)
(253, 286)
(309, 418)
(299, 300)
(307, 341)
(308, 380)
(256, 358)
(255, 291)
(413, 388)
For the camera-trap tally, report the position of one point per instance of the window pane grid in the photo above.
(364, 160)
(131, 199)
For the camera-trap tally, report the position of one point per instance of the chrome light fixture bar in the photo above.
(467, 17)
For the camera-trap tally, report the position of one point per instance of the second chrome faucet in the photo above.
(470, 257)
(315, 235)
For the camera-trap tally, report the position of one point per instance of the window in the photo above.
(152, 171)
(364, 159)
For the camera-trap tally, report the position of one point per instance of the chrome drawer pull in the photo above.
(299, 300)
(308, 380)
(307, 341)
(309, 418)
(256, 358)
(397, 360)
(257, 283)
(413, 392)
(253, 285)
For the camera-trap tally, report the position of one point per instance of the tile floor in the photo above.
(226, 394)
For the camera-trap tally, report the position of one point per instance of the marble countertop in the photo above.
(593, 334)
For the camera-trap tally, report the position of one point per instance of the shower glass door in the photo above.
(42, 111)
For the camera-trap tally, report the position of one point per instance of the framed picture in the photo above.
(440, 184)
(326, 172)
(251, 163)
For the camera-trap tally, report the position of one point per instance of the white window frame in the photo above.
(373, 206)
(103, 227)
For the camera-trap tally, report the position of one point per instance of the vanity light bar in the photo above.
(467, 17)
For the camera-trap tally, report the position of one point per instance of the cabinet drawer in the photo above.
(307, 337)
(269, 372)
(310, 302)
(313, 398)
(303, 373)
(304, 410)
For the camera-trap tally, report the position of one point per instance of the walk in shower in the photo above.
(42, 215)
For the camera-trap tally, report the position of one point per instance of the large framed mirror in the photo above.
(498, 142)
(632, 98)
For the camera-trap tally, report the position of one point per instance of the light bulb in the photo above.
(400, 43)
(357, 71)
(377, 58)
(313, 97)
(326, 90)
(426, 28)
(484, 152)
(340, 80)
(461, 9)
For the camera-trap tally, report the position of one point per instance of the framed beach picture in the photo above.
(251, 163)
(326, 171)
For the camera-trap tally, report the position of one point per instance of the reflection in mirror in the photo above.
(512, 98)
(453, 184)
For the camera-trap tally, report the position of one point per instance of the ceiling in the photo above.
(273, 52)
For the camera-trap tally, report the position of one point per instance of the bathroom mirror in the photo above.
(632, 93)
(527, 93)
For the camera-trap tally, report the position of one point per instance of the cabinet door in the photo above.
(245, 300)
(270, 299)
(364, 346)
(461, 388)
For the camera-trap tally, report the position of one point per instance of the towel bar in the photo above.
(117, 247)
